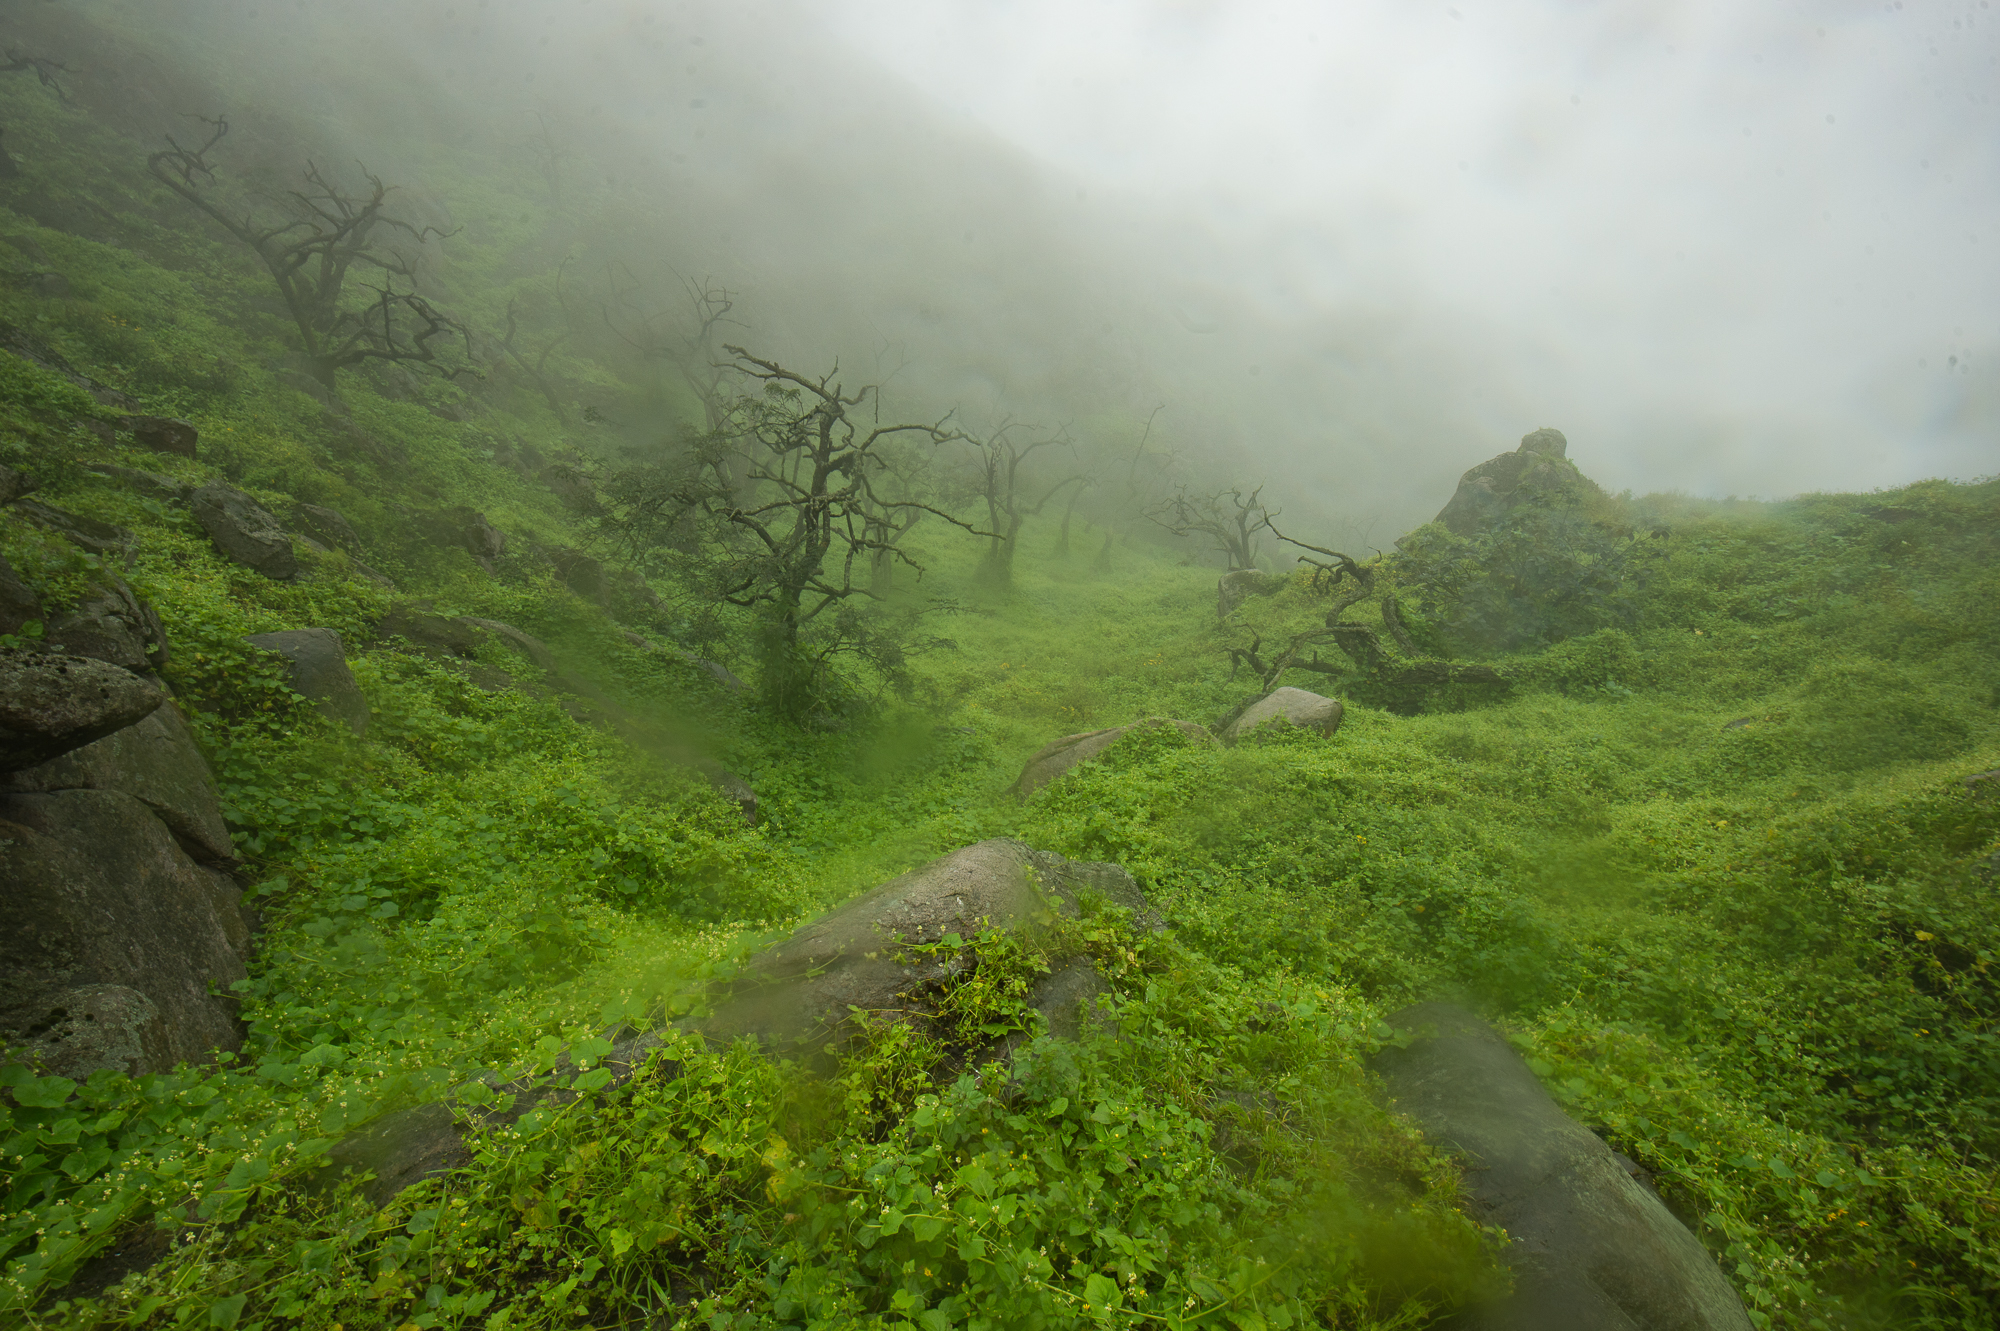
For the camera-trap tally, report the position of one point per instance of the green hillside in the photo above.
(1705, 837)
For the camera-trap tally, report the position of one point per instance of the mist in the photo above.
(1346, 252)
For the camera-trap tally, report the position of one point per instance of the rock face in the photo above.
(1494, 488)
(319, 672)
(804, 990)
(244, 531)
(111, 624)
(145, 482)
(1592, 1249)
(18, 602)
(1307, 710)
(327, 526)
(163, 434)
(1234, 588)
(156, 761)
(51, 704)
(110, 937)
(1053, 759)
(100, 538)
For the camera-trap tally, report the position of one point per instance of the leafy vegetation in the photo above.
(1714, 861)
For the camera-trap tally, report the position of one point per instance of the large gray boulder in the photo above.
(1538, 469)
(805, 990)
(163, 434)
(319, 672)
(1239, 585)
(1591, 1249)
(1058, 756)
(51, 704)
(157, 762)
(110, 624)
(101, 898)
(245, 531)
(329, 527)
(1305, 709)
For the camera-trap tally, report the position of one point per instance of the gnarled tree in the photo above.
(1229, 520)
(797, 537)
(312, 252)
(1013, 496)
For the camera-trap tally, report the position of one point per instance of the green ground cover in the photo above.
(1715, 866)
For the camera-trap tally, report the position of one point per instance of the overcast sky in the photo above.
(1353, 248)
(1727, 246)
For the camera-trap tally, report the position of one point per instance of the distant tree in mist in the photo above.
(1229, 521)
(1013, 491)
(788, 509)
(321, 241)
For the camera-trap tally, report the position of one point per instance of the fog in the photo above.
(1348, 250)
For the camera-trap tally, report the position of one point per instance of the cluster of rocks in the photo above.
(122, 925)
(1537, 471)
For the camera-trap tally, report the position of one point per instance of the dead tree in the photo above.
(1011, 497)
(311, 256)
(1291, 657)
(538, 371)
(1229, 520)
(796, 541)
(41, 67)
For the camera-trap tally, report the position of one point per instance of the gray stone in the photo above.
(19, 605)
(1591, 1248)
(100, 538)
(804, 990)
(1307, 710)
(156, 761)
(99, 894)
(14, 484)
(149, 483)
(1058, 756)
(162, 434)
(245, 531)
(328, 526)
(1239, 585)
(111, 624)
(51, 704)
(1538, 469)
(467, 529)
(95, 1026)
(319, 672)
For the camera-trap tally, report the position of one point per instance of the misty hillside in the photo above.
(649, 677)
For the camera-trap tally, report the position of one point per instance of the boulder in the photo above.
(804, 990)
(110, 624)
(51, 704)
(467, 529)
(1239, 585)
(19, 605)
(527, 644)
(327, 526)
(1538, 469)
(1054, 758)
(157, 762)
(245, 531)
(100, 538)
(582, 575)
(162, 434)
(429, 632)
(733, 787)
(14, 484)
(149, 483)
(1307, 710)
(319, 672)
(101, 897)
(1591, 1248)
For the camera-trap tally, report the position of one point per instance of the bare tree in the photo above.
(41, 67)
(1230, 520)
(797, 540)
(311, 255)
(1011, 496)
(538, 370)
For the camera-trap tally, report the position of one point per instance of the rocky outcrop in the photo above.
(805, 990)
(154, 760)
(245, 531)
(1239, 585)
(18, 602)
(1058, 756)
(1538, 469)
(162, 434)
(1591, 1248)
(467, 529)
(328, 527)
(14, 484)
(100, 896)
(149, 483)
(100, 538)
(1301, 708)
(802, 992)
(52, 703)
(111, 624)
(319, 672)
